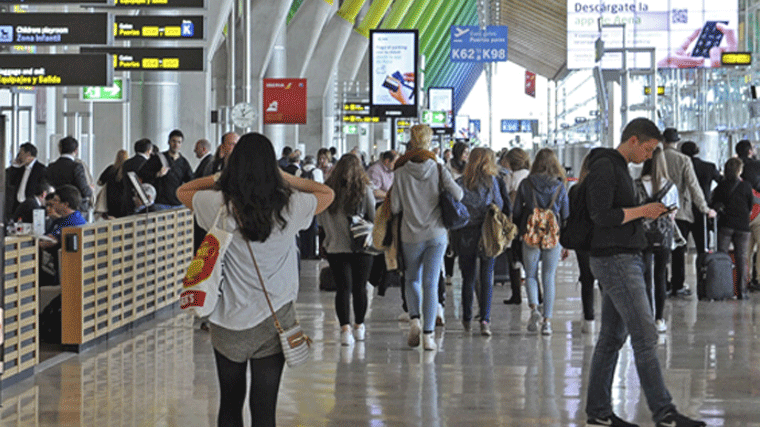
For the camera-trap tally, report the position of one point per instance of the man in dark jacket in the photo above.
(707, 173)
(751, 172)
(167, 171)
(616, 261)
(23, 176)
(66, 170)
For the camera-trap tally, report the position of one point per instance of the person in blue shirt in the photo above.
(65, 202)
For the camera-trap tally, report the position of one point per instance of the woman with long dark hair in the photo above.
(265, 209)
(460, 152)
(481, 189)
(112, 179)
(353, 195)
(519, 163)
(544, 185)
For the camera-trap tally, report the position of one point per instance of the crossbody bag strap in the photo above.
(266, 294)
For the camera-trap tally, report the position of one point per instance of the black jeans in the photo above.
(655, 277)
(678, 262)
(350, 272)
(265, 384)
(740, 239)
(587, 284)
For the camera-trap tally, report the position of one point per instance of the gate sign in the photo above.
(284, 101)
(470, 43)
(113, 93)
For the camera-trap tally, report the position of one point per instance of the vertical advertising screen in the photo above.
(684, 33)
(441, 99)
(392, 72)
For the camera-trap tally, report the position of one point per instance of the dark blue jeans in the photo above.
(625, 310)
(469, 254)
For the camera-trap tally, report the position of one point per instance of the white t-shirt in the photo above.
(242, 304)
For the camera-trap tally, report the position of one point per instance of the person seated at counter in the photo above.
(64, 204)
(25, 211)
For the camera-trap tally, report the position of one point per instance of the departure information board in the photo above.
(54, 2)
(55, 70)
(153, 58)
(158, 27)
(54, 28)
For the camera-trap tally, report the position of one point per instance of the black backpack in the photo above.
(659, 232)
(576, 232)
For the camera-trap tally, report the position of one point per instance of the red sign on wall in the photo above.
(530, 84)
(284, 101)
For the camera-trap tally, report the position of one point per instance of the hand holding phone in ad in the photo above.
(707, 40)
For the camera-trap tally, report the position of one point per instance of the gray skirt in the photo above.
(257, 342)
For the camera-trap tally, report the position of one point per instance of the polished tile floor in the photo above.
(162, 373)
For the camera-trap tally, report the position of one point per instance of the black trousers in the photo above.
(587, 284)
(655, 276)
(350, 272)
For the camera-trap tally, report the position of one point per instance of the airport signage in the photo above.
(736, 58)
(131, 27)
(54, 28)
(55, 70)
(153, 58)
(61, 2)
(117, 92)
(519, 126)
(284, 101)
(200, 4)
(470, 43)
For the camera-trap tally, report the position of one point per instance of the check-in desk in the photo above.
(119, 272)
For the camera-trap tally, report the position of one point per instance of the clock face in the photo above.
(243, 115)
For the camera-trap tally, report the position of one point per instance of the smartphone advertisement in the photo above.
(393, 70)
(684, 33)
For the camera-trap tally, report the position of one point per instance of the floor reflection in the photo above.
(162, 373)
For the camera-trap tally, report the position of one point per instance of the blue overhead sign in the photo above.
(470, 43)
(523, 126)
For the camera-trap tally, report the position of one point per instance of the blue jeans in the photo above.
(423, 266)
(467, 246)
(549, 259)
(625, 309)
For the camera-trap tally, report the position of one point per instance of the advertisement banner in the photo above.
(392, 72)
(284, 101)
(530, 84)
(470, 43)
(441, 99)
(684, 33)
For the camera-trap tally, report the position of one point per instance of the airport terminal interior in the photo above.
(357, 75)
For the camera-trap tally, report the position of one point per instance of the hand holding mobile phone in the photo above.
(671, 209)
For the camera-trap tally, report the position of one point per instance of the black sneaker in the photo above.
(674, 419)
(613, 421)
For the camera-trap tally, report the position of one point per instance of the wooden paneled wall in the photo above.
(21, 298)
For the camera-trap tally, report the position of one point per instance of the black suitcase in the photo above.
(501, 269)
(715, 279)
(326, 281)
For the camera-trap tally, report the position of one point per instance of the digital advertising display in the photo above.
(684, 33)
(441, 102)
(284, 101)
(392, 72)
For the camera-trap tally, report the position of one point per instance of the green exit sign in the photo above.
(114, 93)
(434, 118)
(350, 129)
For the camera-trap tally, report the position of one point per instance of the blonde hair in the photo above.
(420, 137)
(547, 163)
(481, 166)
(118, 164)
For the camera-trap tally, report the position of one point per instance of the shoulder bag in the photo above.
(454, 213)
(296, 345)
(360, 230)
(497, 232)
(200, 286)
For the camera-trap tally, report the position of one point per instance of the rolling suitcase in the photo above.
(715, 278)
(501, 269)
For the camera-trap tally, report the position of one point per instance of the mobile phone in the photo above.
(708, 38)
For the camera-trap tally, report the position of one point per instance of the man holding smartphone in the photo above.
(616, 261)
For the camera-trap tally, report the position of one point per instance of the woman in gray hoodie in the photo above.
(423, 236)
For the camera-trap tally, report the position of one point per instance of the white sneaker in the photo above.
(588, 326)
(360, 332)
(440, 319)
(403, 317)
(414, 333)
(535, 317)
(660, 325)
(428, 342)
(346, 337)
(546, 328)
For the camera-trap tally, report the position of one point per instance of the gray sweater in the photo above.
(415, 192)
(337, 237)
